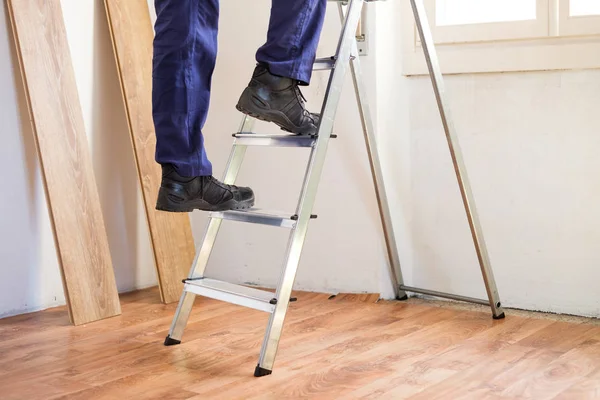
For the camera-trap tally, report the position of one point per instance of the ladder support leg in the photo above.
(457, 159)
(284, 292)
(202, 256)
(197, 270)
(394, 268)
(309, 189)
(181, 318)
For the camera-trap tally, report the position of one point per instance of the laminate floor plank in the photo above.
(68, 176)
(171, 233)
(348, 347)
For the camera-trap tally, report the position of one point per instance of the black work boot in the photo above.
(277, 99)
(184, 194)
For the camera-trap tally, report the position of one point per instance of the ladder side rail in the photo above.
(232, 170)
(394, 265)
(309, 190)
(437, 81)
(186, 302)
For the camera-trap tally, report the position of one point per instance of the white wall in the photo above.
(529, 140)
(110, 143)
(393, 133)
(29, 273)
(530, 143)
(344, 249)
(28, 266)
(531, 146)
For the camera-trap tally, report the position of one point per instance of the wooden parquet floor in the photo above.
(349, 347)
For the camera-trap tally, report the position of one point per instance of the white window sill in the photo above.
(509, 56)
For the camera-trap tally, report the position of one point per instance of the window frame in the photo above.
(580, 25)
(489, 31)
(564, 47)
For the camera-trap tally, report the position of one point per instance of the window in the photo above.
(462, 12)
(506, 35)
(458, 21)
(581, 8)
(579, 17)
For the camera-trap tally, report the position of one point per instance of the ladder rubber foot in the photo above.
(259, 371)
(501, 316)
(171, 342)
(405, 297)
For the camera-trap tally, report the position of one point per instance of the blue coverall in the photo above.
(185, 51)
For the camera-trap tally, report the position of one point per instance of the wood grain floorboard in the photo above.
(585, 389)
(71, 193)
(560, 336)
(171, 233)
(348, 347)
(350, 365)
(563, 372)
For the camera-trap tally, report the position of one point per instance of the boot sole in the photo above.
(169, 203)
(246, 106)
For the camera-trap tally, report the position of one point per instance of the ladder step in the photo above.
(276, 140)
(258, 216)
(232, 293)
(324, 64)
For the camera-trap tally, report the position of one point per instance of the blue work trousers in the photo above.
(185, 50)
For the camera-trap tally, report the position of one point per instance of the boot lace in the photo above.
(302, 100)
(221, 184)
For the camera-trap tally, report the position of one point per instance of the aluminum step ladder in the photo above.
(346, 58)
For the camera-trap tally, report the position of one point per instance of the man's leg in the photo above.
(185, 51)
(284, 62)
(294, 32)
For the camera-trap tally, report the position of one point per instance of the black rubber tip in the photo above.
(501, 316)
(258, 372)
(295, 217)
(171, 342)
(405, 297)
